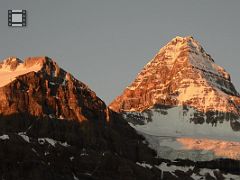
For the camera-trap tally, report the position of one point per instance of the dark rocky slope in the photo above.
(57, 128)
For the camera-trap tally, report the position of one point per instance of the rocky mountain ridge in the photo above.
(52, 126)
(42, 88)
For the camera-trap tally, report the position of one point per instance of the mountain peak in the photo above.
(181, 73)
(10, 63)
(12, 59)
(39, 87)
(188, 43)
(181, 38)
(29, 61)
(12, 67)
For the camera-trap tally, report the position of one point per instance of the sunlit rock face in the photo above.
(183, 93)
(39, 87)
(181, 73)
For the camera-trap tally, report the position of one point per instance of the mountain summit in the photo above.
(181, 73)
(184, 104)
(52, 126)
(39, 87)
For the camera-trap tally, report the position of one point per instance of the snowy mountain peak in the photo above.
(180, 45)
(10, 63)
(39, 87)
(13, 67)
(11, 59)
(181, 73)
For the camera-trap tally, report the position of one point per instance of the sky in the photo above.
(105, 43)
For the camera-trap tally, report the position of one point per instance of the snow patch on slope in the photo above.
(172, 169)
(52, 142)
(145, 165)
(4, 137)
(24, 136)
(8, 75)
(196, 176)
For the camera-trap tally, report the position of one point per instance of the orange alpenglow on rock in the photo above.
(181, 73)
(39, 87)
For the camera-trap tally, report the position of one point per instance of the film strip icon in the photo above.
(17, 18)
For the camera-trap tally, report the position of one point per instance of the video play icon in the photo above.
(17, 18)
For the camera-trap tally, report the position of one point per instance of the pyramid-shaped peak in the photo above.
(181, 73)
(183, 46)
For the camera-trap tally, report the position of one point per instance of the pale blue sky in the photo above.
(105, 43)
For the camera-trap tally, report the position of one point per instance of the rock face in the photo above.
(181, 73)
(50, 91)
(184, 104)
(53, 126)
